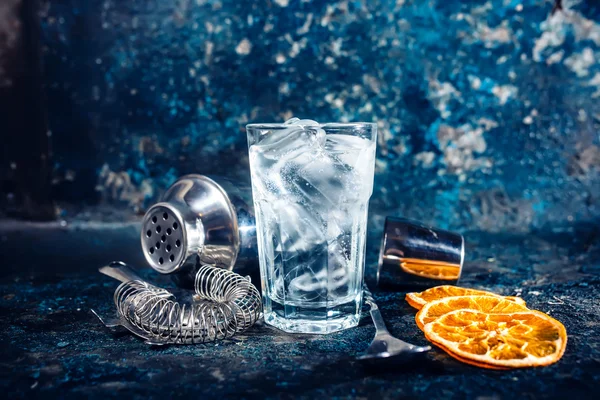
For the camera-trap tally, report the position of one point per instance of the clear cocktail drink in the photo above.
(311, 186)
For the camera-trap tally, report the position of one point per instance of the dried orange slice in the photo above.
(486, 304)
(418, 300)
(514, 340)
(432, 271)
(470, 362)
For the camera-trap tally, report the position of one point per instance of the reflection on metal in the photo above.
(413, 255)
(430, 269)
(200, 221)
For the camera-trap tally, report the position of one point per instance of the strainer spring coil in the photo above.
(225, 304)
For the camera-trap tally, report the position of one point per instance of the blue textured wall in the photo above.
(488, 110)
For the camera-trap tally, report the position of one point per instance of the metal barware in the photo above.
(384, 345)
(200, 221)
(224, 305)
(417, 256)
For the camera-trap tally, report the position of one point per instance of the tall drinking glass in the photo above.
(311, 185)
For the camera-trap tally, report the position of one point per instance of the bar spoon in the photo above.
(384, 345)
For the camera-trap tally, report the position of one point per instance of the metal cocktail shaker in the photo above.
(200, 220)
(417, 256)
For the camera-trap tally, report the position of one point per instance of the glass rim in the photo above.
(323, 125)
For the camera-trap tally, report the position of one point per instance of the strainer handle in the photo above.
(120, 271)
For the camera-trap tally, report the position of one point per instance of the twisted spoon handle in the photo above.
(375, 314)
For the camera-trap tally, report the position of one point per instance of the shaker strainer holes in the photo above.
(165, 216)
(160, 260)
(169, 231)
(151, 250)
(149, 233)
(168, 248)
(172, 257)
(175, 225)
(177, 243)
(154, 219)
(163, 238)
(158, 229)
(158, 245)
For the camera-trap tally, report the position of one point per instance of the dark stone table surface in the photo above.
(52, 345)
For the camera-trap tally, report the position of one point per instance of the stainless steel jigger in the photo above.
(200, 221)
(414, 255)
